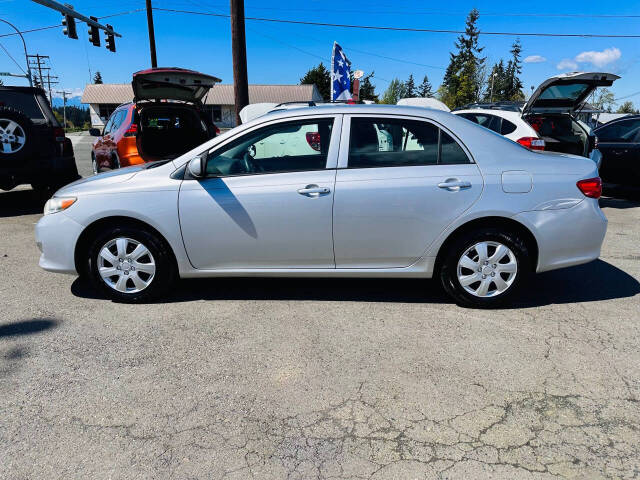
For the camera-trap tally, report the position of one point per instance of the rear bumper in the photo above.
(56, 237)
(567, 237)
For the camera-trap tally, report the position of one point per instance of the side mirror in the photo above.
(94, 132)
(197, 165)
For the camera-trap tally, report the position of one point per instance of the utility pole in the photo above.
(51, 80)
(64, 107)
(152, 35)
(493, 75)
(38, 63)
(239, 50)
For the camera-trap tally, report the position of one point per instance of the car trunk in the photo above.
(167, 130)
(551, 108)
(561, 133)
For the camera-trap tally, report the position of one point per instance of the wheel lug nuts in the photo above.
(126, 272)
(118, 268)
(494, 265)
(493, 274)
(484, 276)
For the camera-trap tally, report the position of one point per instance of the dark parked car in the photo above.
(34, 149)
(619, 143)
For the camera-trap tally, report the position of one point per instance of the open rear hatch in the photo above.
(171, 84)
(566, 92)
(551, 109)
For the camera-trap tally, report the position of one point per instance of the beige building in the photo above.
(219, 103)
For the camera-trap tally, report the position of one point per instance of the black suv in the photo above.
(33, 148)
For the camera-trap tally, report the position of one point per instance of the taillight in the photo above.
(533, 143)
(58, 133)
(216, 129)
(313, 139)
(591, 187)
(132, 131)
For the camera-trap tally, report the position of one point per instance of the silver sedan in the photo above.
(346, 191)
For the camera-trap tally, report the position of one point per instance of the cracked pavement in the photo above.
(320, 379)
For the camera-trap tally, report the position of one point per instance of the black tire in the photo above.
(25, 123)
(165, 274)
(115, 162)
(448, 268)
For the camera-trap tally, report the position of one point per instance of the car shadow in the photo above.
(619, 203)
(27, 327)
(595, 281)
(21, 202)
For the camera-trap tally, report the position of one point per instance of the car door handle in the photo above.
(454, 185)
(314, 191)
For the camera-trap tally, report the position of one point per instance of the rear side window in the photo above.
(492, 122)
(23, 102)
(624, 131)
(385, 142)
(507, 127)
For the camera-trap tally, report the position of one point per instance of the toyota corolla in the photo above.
(336, 190)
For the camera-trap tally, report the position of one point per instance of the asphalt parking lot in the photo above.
(301, 379)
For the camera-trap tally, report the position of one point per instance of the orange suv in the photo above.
(165, 120)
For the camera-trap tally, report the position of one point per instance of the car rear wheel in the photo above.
(16, 135)
(130, 264)
(485, 268)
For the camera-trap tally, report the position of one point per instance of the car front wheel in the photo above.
(485, 268)
(130, 264)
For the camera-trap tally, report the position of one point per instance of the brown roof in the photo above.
(117, 93)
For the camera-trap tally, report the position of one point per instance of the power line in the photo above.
(400, 29)
(627, 96)
(13, 59)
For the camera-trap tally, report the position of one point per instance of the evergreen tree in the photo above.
(626, 107)
(425, 88)
(410, 88)
(321, 77)
(368, 89)
(97, 78)
(394, 92)
(513, 84)
(496, 83)
(462, 83)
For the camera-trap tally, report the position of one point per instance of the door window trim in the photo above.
(343, 159)
(332, 154)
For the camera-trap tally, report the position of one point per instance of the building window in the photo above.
(105, 110)
(214, 112)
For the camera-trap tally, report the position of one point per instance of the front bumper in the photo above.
(567, 237)
(56, 237)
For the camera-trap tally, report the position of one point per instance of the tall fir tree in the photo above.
(410, 87)
(368, 89)
(462, 81)
(394, 92)
(513, 87)
(425, 89)
(97, 78)
(321, 77)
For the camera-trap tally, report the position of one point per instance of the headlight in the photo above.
(58, 204)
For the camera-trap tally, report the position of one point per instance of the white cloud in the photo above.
(599, 59)
(73, 92)
(535, 59)
(567, 63)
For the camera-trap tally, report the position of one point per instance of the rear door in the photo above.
(390, 205)
(619, 144)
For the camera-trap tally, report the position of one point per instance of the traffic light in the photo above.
(110, 41)
(69, 24)
(94, 33)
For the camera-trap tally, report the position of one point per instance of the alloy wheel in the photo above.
(12, 136)
(487, 269)
(126, 265)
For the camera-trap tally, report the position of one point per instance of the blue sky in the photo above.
(281, 53)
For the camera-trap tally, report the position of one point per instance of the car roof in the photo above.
(634, 116)
(508, 114)
(350, 109)
(28, 90)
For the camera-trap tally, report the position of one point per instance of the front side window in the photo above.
(284, 147)
(625, 131)
(385, 142)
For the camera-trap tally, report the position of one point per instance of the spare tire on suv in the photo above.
(16, 135)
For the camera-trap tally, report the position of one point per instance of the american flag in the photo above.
(340, 70)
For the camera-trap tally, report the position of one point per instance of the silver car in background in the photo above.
(440, 197)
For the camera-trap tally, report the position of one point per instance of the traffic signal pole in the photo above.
(239, 50)
(152, 35)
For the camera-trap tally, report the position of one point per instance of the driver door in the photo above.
(267, 200)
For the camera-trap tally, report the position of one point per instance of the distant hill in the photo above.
(71, 101)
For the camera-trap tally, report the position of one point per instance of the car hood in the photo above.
(567, 91)
(101, 180)
(171, 84)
